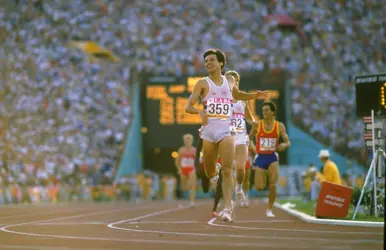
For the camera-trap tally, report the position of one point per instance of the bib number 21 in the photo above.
(267, 143)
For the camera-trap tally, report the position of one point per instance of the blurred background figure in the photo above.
(328, 172)
(307, 176)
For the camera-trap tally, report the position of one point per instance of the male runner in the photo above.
(246, 183)
(186, 167)
(247, 176)
(268, 132)
(205, 182)
(217, 92)
(241, 113)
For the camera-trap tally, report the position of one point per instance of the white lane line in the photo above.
(40, 247)
(196, 222)
(265, 245)
(112, 225)
(5, 228)
(145, 241)
(211, 222)
(26, 214)
(70, 223)
(151, 222)
(265, 221)
(240, 236)
(165, 222)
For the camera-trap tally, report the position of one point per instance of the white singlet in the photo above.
(218, 105)
(238, 122)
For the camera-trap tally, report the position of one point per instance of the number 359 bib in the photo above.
(220, 108)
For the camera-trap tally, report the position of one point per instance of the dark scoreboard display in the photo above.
(370, 94)
(164, 119)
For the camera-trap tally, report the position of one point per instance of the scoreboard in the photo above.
(370, 91)
(163, 101)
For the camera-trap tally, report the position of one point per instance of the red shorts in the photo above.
(186, 171)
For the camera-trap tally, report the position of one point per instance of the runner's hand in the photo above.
(204, 118)
(262, 94)
(281, 147)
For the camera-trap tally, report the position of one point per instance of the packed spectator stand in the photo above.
(65, 113)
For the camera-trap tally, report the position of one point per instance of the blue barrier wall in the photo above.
(305, 149)
(131, 160)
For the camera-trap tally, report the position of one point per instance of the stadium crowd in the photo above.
(61, 113)
(61, 109)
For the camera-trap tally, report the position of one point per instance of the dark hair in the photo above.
(271, 105)
(219, 55)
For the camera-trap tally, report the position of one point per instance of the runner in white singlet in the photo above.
(240, 115)
(217, 92)
(218, 106)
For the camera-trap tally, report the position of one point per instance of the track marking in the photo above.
(211, 222)
(19, 215)
(150, 222)
(165, 222)
(203, 243)
(294, 238)
(265, 221)
(258, 244)
(112, 225)
(4, 228)
(69, 223)
(173, 242)
(26, 214)
(40, 247)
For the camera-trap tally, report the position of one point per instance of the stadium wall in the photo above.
(304, 150)
(131, 160)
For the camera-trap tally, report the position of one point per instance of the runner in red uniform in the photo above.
(185, 163)
(267, 133)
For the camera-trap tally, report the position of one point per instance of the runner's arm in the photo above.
(198, 152)
(241, 95)
(193, 98)
(236, 93)
(244, 96)
(286, 142)
(253, 131)
(177, 161)
(252, 148)
(248, 116)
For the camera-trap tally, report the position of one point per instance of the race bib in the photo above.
(268, 144)
(219, 107)
(238, 124)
